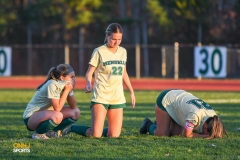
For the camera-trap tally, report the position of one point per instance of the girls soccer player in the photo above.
(108, 64)
(45, 113)
(180, 113)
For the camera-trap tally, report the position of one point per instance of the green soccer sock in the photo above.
(105, 132)
(65, 122)
(46, 126)
(152, 128)
(79, 129)
(82, 130)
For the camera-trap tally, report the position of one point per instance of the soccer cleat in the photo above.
(66, 130)
(52, 134)
(145, 126)
(39, 136)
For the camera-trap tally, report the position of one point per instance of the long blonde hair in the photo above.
(56, 72)
(216, 128)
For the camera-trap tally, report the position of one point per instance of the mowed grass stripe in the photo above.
(130, 145)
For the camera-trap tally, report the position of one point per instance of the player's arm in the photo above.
(72, 101)
(59, 103)
(127, 82)
(89, 74)
(188, 131)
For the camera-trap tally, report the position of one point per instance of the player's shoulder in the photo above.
(52, 82)
(122, 48)
(100, 48)
(49, 82)
(56, 83)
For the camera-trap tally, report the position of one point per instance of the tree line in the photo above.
(143, 21)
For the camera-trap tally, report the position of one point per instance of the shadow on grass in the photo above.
(11, 117)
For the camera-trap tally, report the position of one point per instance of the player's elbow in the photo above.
(73, 106)
(58, 109)
(187, 134)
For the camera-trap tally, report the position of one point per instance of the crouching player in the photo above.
(45, 113)
(180, 113)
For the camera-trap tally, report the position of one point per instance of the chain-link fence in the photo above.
(159, 61)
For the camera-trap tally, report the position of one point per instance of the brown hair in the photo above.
(113, 28)
(216, 128)
(57, 72)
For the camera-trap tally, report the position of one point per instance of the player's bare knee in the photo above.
(57, 117)
(160, 133)
(96, 134)
(113, 135)
(76, 113)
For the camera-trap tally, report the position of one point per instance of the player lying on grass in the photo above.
(45, 113)
(180, 113)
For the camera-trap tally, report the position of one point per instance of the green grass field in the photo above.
(130, 145)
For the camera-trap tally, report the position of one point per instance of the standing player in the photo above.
(45, 113)
(108, 63)
(179, 112)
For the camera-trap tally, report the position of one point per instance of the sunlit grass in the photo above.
(130, 145)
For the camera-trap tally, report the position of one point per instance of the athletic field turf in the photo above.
(130, 145)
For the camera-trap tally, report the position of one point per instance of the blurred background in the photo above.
(163, 38)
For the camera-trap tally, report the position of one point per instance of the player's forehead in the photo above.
(71, 74)
(116, 35)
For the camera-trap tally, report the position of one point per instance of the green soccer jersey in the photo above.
(108, 87)
(41, 100)
(183, 106)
